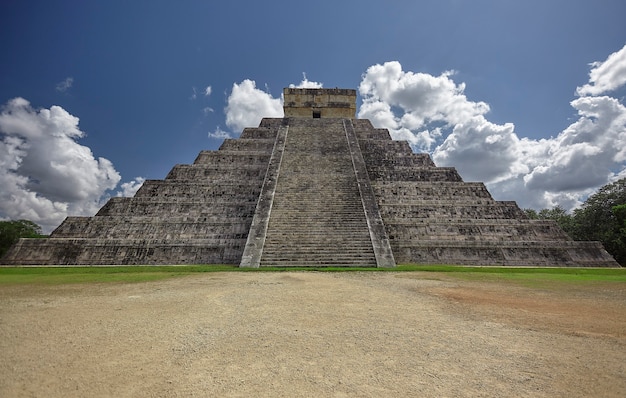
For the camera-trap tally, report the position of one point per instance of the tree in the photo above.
(531, 214)
(602, 217)
(12, 231)
(620, 238)
(558, 214)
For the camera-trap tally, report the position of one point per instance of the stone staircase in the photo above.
(317, 216)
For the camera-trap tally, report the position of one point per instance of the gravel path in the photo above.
(307, 334)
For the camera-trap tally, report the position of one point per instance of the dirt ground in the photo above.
(307, 334)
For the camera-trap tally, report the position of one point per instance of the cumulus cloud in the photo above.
(130, 188)
(44, 173)
(65, 84)
(481, 150)
(584, 154)
(548, 172)
(207, 91)
(247, 105)
(606, 76)
(306, 83)
(415, 106)
(434, 115)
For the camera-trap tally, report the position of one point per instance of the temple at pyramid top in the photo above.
(320, 103)
(318, 187)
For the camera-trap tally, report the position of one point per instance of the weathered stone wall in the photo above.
(433, 217)
(199, 214)
(321, 103)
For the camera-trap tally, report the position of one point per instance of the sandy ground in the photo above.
(307, 334)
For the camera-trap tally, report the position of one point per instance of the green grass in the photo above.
(134, 274)
(534, 277)
(63, 275)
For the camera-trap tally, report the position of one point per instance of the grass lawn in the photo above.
(129, 274)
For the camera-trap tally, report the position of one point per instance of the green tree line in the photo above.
(602, 218)
(12, 231)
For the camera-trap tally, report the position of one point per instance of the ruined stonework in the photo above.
(316, 103)
(316, 188)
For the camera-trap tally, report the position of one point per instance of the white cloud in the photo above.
(130, 188)
(65, 84)
(247, 105)
(219, 134)
(415, 106)
(434, 115)
(481, 150)
(207, 91)
(543, 173)
(306, 83)
(606, 76)
(584, 154)
(44, 173)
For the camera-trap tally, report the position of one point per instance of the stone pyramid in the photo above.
(315, 188)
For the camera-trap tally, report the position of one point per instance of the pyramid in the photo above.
(315, 188)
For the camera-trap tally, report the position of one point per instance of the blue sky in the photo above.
(97, 96)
